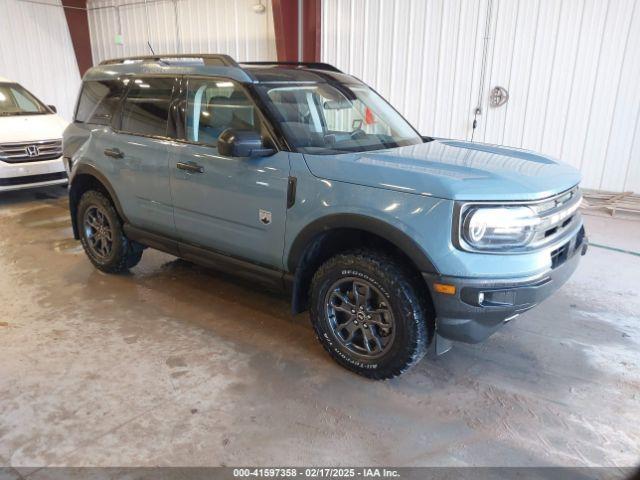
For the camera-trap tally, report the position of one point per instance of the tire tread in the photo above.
(405, 284)
(129, 255)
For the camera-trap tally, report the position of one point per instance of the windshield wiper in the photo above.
(30, 113)
(14, 114)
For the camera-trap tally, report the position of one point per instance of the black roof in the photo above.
(291, 72)
(219, 64)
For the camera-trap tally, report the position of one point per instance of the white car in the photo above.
(30, 140)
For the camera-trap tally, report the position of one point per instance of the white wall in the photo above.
(202, 26)
(36, 51)
(572, 69)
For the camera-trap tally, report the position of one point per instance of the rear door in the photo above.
(236, 206)
(138, 147)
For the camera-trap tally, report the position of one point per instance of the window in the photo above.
(334, 118)
(145, 109)
(15, 100)
(25, 103)
(215, 105)
(98, 101)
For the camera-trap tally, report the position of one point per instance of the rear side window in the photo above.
(98, 101)
(145, 109)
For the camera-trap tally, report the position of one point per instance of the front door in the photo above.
(235, 206)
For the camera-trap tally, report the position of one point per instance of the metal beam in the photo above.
(75, 11)
(297, 26)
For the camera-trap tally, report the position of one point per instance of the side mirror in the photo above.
(242, 143)
(53, 108)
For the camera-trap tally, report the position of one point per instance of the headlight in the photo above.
(498, 228)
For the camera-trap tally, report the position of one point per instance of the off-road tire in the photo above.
(408, 300)
(124, 253)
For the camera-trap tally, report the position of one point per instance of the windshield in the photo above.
(15, 100)
(336, 118)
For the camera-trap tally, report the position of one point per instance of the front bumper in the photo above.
(17, 176)
(480, 306)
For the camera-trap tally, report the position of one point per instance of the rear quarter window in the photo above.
(145, 110)
(99, 101)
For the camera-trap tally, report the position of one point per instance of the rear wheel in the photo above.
(102, 236)
(371, 314)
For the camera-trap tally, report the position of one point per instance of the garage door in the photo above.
(567, 70)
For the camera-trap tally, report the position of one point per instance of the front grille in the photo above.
(46, 177)
(557, 216)
(559, 255)
(564, 252)
(24, 152)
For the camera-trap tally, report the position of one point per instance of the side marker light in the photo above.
(445, 288)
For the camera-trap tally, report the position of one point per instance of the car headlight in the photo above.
(498, 228)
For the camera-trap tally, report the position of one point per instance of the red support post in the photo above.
(78, 23)
(311, 30)
(285, 19)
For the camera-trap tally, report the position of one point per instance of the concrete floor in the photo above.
(176, 365)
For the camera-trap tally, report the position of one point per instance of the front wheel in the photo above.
(370, 314)
(101, 234)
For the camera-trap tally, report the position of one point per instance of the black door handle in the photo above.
(190, 167)
(113, 152)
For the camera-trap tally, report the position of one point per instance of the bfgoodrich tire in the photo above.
(370, 313)
(102, 236)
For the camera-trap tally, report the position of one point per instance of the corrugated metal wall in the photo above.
(184, 26)
(36, 51)
(572, 69)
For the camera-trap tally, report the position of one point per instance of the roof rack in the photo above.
(314, 65)
(219, 59)
(207, 58)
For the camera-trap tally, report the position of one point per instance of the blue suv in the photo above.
(303, 178)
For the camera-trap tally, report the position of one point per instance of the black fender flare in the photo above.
(359, 222)
(90, 170)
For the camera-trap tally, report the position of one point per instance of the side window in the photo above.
(145, 109)
(215, 105)
(98, 101)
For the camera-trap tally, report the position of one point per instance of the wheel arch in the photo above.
(330, 235)
(87, 177)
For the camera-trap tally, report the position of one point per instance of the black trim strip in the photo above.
(291, 191)
(153, 240)
(86, 169)
(235, 266)
(209, 258)
(46, 177)
(311, 65)
(359, 222)
(25, 159)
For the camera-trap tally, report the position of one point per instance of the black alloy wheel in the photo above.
(360, 317)
(98, 232)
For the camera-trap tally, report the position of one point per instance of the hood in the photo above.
(31, 128)
(451, 169)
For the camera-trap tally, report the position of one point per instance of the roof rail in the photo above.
(207, 58)
(314, 65)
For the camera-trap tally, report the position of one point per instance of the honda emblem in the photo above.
(33, 151)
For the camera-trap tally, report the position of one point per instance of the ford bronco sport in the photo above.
(305, 178)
